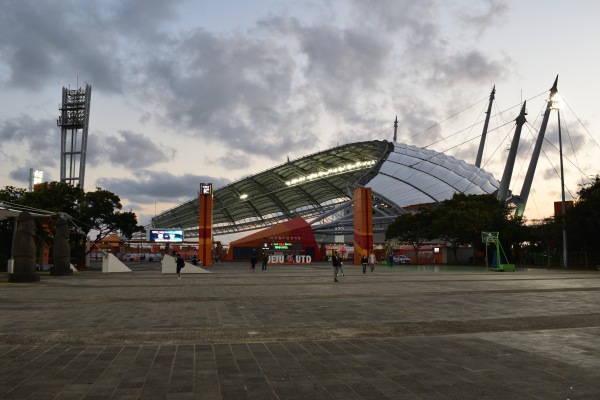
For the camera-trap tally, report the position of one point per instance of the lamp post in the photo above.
(556, 105)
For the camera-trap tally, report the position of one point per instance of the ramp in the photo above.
(110, 263)
(169, 267)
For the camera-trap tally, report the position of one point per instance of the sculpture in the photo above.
(61, 251)
(23, 250)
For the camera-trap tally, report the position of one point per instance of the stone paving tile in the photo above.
(278, 381)
(293, 334)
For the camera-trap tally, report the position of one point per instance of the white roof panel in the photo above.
(412, 175)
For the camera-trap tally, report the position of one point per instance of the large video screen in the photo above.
(166, 235)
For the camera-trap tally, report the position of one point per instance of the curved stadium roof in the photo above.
(320, 185)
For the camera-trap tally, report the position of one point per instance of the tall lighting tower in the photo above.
(556, 104)
(73, 121)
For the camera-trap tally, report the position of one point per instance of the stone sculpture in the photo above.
(61, 251)
(23, 250)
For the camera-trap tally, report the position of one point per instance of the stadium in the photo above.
(319, 188)
(317, 191)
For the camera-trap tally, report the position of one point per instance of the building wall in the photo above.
(243, 249)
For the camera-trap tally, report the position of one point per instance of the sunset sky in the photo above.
(212, 91)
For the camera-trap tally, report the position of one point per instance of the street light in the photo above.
(556, 104)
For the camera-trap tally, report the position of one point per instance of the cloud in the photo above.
(280, 85)
(29, 143)
(235, 160)
(147, 187)
(128, 149)
(494, 13)
(207, 90)
(42, 42)
(471, 66)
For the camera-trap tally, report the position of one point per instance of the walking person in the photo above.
(372, 261)
(363, 261)
(335, 262)
(180, 263)
(265, 260)
(253, 262)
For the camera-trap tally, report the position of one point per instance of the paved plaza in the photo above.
(402, 332)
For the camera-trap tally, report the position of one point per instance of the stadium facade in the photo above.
(319, 188)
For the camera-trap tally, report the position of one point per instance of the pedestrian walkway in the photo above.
(291, 332)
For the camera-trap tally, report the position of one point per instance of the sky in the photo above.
(188, 91)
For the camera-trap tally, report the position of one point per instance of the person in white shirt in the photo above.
(372, 261)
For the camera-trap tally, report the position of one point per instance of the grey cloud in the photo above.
(263, 91)
(426, 58)
(42, 40)
(549, 173)
(344, 57)
(143, 18)
(235, 160)
(470, 66)
(212, 94)
(494, 12)
(128, 149)
(573, 140)
(413, 26)
(38, 142)
(147, 187)
(20, 175)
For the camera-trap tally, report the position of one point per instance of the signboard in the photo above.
(206, 188)
(287, 246)
(166, 235)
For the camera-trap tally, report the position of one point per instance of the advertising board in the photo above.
(166, 235)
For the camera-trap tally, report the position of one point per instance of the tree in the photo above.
(98, 211)
(101, 212)
(12, 194)
(515, 233)
(461, 219)
(545, 236)
(9, 194)
(413, 228)
(583, 220)
(56, 197)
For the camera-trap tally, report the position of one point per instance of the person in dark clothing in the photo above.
(364, 261)
(265, 260)
(253, 262)
(336, 262)
(180, 263)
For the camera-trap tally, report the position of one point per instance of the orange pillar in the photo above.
(205, 216)
(363, 223)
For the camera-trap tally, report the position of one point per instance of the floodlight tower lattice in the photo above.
(74, 121)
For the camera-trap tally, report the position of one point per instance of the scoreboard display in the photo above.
(287, 246)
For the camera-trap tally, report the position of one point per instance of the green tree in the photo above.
(515, 236)
(56, 197)
(583, 221)
(413, 228)
(9, 194)
(101, 212)
(544, 237)
(12, 194)
(98, 212)
(461, 219)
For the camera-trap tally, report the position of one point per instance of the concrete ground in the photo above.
(401, 332)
